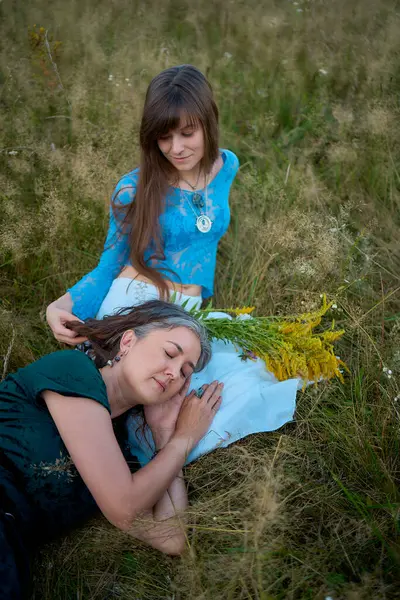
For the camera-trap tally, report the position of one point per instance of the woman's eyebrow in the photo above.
(180, 349)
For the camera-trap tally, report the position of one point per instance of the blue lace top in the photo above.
(190, 255)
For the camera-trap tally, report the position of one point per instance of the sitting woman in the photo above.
(63, 451)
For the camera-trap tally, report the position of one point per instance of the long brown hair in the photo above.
(177, 92)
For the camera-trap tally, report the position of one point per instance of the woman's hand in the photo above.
(161, 418)
(58, 313)
(197, 414)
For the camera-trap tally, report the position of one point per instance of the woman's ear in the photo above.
(128, 340)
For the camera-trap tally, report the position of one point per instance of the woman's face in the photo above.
(154, 368)
(183, 147)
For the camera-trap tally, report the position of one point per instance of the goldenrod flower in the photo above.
(245, 310)
(289, 345)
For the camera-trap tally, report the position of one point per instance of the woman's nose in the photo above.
(172, 372)
(177, 145)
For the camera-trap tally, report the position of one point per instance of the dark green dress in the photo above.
(31, 445)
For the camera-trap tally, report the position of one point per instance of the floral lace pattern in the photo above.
(190, 255)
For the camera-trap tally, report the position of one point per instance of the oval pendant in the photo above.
(203, 223)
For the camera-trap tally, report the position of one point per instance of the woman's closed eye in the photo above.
(183, 374)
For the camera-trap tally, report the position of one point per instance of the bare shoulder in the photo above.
(75, 416)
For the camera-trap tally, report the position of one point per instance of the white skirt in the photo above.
(253, 400)
(125, 292)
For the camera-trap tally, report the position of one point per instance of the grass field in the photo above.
(308, 93)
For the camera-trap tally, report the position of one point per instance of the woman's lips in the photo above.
(181, 158)
(162, 385)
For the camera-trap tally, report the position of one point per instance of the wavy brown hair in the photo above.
(176, 93)
(105, 334)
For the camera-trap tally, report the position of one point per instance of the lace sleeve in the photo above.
(88, 294)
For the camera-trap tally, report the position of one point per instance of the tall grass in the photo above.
(308, 95)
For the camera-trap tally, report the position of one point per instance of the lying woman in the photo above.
(63, 452)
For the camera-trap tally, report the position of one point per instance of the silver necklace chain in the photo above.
(203, 221)
(194, 187)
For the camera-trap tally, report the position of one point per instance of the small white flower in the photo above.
(334, 306)
(299, 10)
(328, 597)
(323, 72)
(389, 376)
(227, 55)
(295, 3)
(389, 372)
(214, 518)
(117, 85)
(321, 295)
(13, 152)
(385, 369)
(126, 78)
(110, 77)
(397, 398)
(243, 317)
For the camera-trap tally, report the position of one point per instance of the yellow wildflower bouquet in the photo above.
(290, 346)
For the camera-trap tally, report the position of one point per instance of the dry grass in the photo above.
(308, 95)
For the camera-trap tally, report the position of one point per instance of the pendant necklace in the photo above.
(197, 198)
(203, 221)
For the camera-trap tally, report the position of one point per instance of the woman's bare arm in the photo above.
(163, 527)
(86, 429)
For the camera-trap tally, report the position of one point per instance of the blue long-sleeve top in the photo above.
(190, 255)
